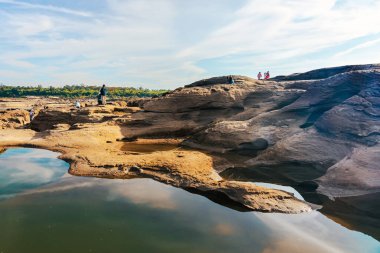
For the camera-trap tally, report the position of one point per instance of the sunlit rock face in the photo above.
(326, 120)
(13, 118)
(318, 131)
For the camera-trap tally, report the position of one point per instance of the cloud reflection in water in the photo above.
(253, 232)
(22, 169)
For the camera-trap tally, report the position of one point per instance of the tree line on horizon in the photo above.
(77, 91)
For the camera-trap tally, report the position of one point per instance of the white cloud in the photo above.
(141, 42)
(295, 233)
(30, 174)
(140, 191)
(282, 29)
(358, 47)
(46, 7)
(30, 25)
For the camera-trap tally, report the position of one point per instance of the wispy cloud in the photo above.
(141, 193)
(286, 30)
(167, 43)
(46, 7)
(358, 47)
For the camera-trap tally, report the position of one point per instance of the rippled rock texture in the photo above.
(329, 125)
(317, 131)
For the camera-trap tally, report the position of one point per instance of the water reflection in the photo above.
(141, 192)
(75, 214)
(26, 168)
(281, 187)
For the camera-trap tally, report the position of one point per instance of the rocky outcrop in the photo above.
(55, 118)
(317, 131)
(188, 110)
(241, 80)
(324, 125)
(49, 119)
(326, 72)
(13, 118)
(93, 151)
(312, 124)
(356, 174)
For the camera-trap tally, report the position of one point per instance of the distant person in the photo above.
(230, 80)
(259, 76)
(31, 114)
(267, 75)
(99, 97)
(103, 93)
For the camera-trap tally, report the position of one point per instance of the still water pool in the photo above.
(43, 209)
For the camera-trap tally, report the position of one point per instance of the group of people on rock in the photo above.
(101, 98)
(266, 75)
(101, 101)
(260, 76)
(103, 92)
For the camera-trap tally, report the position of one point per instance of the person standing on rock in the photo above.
(103, 93)
(31, 114)
(259, 76)
(230, 80)
(267, 75)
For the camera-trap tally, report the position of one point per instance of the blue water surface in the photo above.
(43, 209)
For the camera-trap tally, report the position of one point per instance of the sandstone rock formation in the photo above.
(327, 124)
(93, 151)
(13, 118)
(317, 131)
(93, 140)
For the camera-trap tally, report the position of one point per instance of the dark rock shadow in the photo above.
(221, 199)
(360, 213)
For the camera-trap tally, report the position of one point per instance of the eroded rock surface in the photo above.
(94, 151)
(13, 118)
(317, 131)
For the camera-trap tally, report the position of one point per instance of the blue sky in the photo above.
(170, 43)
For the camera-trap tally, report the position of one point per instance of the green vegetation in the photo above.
(76, 91)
